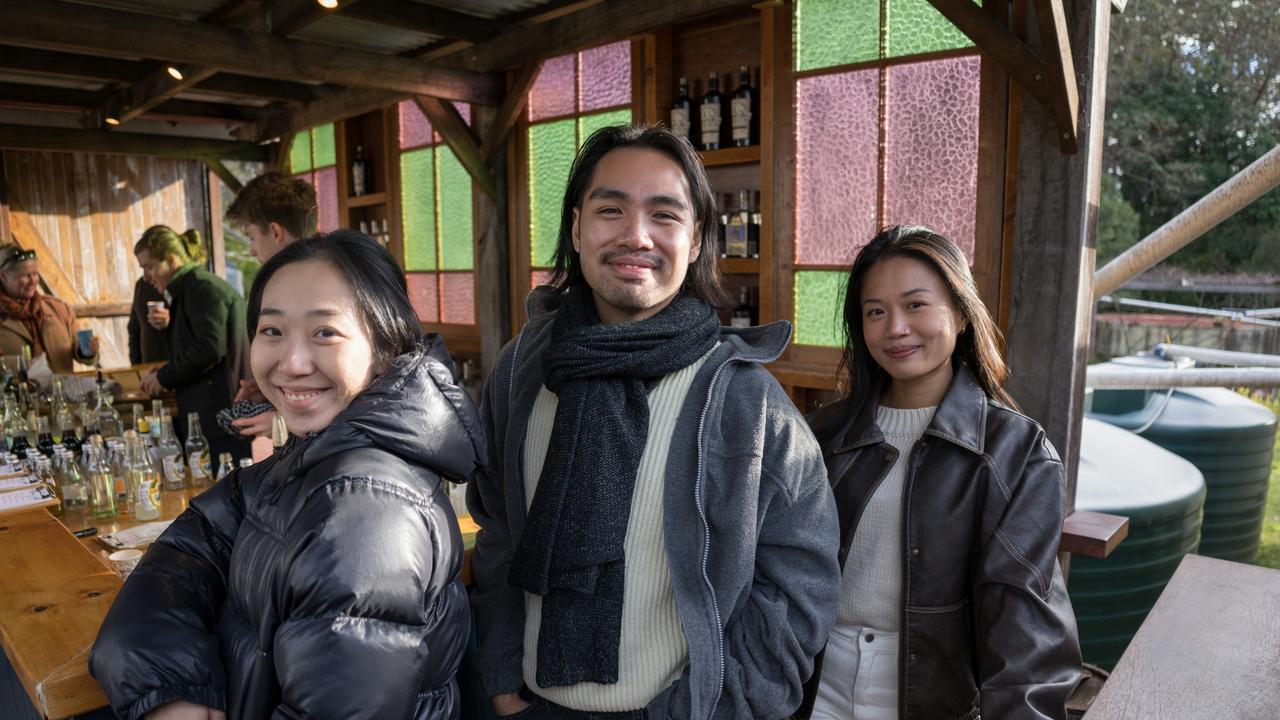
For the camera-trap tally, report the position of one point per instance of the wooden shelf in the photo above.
(740, 266)
(367, 199)
(730, 156)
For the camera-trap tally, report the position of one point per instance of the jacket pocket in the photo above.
(939, 664)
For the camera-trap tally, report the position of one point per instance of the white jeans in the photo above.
(859, 675)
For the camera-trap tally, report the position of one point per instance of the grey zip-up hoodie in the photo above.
(750, 524)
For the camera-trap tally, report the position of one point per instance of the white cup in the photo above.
(124, 561)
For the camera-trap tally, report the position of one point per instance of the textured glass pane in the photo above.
(605, 80)
(323, 143)
(914, 27)
(300, 152)
(459, 298)
(819, 304)
(553, 92)
(415, 128)
(588, 124)
(551, 149)
(836, 165)
(424, 295)
(418, 209)
(836, 32)
(931, 139)
(327, 199)
(539, 277)
(454, 207)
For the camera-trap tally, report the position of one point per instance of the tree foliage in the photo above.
(1193, 97)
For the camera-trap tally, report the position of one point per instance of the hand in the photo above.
(256, 426)
(249, 391)
(509, 704)
(158, 317)
(183, 710)
(151, 382)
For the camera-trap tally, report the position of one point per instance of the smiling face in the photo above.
(21, 279)
(311, 353)
(635, 234)
(910, 324)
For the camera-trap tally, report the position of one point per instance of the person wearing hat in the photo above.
(32, 319)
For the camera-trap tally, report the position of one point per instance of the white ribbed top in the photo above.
(653, 650)
(871, 587)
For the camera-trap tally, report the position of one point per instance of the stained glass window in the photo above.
(312, 158)
(573, 96)
(435, 204)
(876, 144)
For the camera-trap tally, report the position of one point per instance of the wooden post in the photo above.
(217, 242)
(1053, 245)
(493, 290)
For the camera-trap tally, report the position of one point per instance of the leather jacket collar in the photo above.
(961, 417)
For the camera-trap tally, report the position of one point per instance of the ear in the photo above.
(577, 243)
(695, 245)
(276, 232)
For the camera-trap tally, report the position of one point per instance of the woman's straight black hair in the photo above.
(376, 281)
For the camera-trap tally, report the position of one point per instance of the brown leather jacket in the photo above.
(987, 628)
(59, 332)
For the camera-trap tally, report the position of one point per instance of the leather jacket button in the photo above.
(915, 552)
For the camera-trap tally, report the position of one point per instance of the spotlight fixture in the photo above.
(174, 72)
(328, 4)
(111, 121)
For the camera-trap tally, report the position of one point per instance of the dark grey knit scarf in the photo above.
(571, 550)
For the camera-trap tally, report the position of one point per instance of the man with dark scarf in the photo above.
(30, 318)
(654, 513)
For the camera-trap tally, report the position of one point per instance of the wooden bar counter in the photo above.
(57, 590)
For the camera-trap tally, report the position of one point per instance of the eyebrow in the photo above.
(319, 312)
(905, 294)
(607, 193)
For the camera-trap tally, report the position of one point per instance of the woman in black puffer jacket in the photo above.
(323, 582)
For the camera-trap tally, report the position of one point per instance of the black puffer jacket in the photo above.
(987, 627)
(321, 583)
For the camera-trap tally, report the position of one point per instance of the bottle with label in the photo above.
(197, 449)
(44, 473)
(143, 479)
(44, 437)
(75, 491)
(172, 462)
(723, 225)
(106, 419)
(245, 463)
(102, 486)
(743, 313)
(713, 120)
(69, 439)
(735, 232)
(753, 229)
(357, 173)
(225, 465)
(743, 109)
(684, 118)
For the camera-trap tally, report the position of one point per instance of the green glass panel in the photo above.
(588, 124)
(552, 146)
(418, 208)
(819, 304)
(454, 207)
(323, 142)
(300, 153)
(836, 32)
(914, 27)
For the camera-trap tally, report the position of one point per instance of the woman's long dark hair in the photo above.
(375, 279)
(978, 345)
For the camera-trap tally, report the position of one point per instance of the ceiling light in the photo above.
(330, 4)
(174, 72)
(112, 121)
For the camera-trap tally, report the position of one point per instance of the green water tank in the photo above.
(1163, 497)
(1228, 436)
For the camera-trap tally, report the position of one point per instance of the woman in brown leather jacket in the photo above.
(950, 504)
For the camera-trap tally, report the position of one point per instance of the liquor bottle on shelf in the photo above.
(198, 462)
(743, 109)
(358, 176)
(684, 121)
(712, 115)
(724, 223)
(735, 232)
(743, 313)
(753, 229)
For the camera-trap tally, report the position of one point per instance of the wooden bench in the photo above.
(1093, 534)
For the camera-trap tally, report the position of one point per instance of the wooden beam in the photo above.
(43, 97)
(509, 111)
(252, 87)
(221, 172)
(55, 24)
(333, 107)
(493, 290)
(289, 16)
(154, 88)
(1056, 47)
(446, 120)
(48, 63)
(22, 137)
(28, 236)
(426, 19)
(103, 310)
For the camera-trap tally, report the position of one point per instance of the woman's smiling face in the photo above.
(312, 353)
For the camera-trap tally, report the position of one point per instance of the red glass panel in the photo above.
(553, 92)
(459, 294)
(424, 294)
(605, 78)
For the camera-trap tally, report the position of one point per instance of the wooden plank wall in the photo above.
(84, 212)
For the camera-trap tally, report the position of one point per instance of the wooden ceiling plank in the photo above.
(25, 137)
(461, 140)
(1051, 20)
(73, 100)
(426, 19)
(157, 87)
(234, 85)
(55, 24)
(509, 111)
(48, 63)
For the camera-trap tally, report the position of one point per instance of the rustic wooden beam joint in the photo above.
(458, 136)
(1051, 19)
(509, 111)
(224, 174)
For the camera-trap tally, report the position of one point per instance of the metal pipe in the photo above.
(1225, 313)
(1217, 357)
(1106, 377)
(1227, 199)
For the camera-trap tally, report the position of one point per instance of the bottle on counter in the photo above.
(75, 491)
(225, 465)
(197, 450)
(44, 437)
(143, 478)
(102, 487)
(106, 419)
(172, 462)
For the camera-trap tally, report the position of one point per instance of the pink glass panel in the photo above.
(836, 163)
(327, 199)
(459, 296)
(605, 79)
(553, 92)
(424, 295)
(539, 277)
(415, 128)
(931, 147)
(464, 109)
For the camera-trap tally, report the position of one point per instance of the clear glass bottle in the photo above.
(143, 478)
(225, 465)
(106, 419)
(44, 437)
(197, 449)
(102, 487)
(44, 473)
(169, 452)
(246, 462)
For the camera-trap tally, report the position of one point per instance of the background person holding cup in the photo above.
(30, 318)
